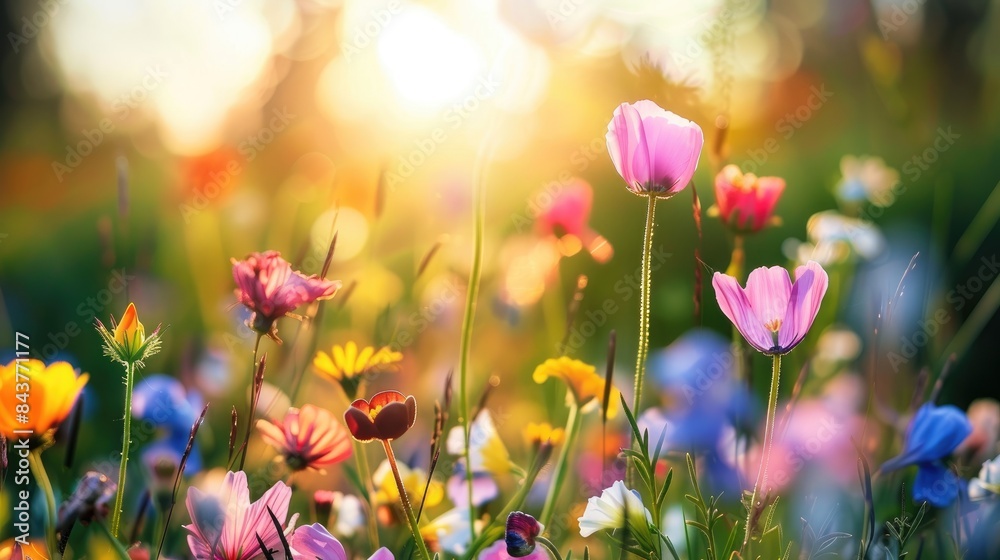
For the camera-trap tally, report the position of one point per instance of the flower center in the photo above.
(372, 413)
(773, 325)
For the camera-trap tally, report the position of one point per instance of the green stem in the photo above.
(250, 407)
(407, 509)
(42, 479)
(572, 430)
(365, 474)
(640, 360)
(472, 294)
(553, 551)
(772, 406)
(116, 515)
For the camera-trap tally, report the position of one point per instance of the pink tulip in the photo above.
(772, 313)
(746, 202)
(654, 150)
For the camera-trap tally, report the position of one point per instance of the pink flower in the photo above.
(314, 541)
(746, 202)
(772, 313)
(498, 551)
(267, 286)
(309, 438)
(225, 526)
(654, 150)
(567, 217)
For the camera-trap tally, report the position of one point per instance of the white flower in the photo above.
(487, 450)
(987, 484)
(608, 511)
(450, 532)
(349, 513)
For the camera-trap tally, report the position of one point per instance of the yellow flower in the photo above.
(386, 491)
(39, 398)
(129, 332)
(346, 362)
(537, 434)
(587, 387)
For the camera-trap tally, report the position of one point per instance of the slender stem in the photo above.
(772, 405)
(559, 476)
(116, 516)
(250, 405)
(407, 509)
(471, 297)
(551, 547)
(365, 474)
(640, 360)
(42, 479)
(737, 261)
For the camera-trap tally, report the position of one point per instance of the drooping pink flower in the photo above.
(267, 286)
(745, 201)
(225, 525)
(772, 313)
(654, 150)
(567, 217)
(308, 438)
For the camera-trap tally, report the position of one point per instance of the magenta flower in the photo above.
(567, 218)
(654, 150)
(313, 541)
(772, 313)
(745, 202)
(225, 526)
(267, 286)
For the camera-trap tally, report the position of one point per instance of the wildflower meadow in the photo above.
(491, 279)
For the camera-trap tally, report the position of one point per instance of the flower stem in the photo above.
(772, 405)
(559, 476)
(407, 509)
(640, 360)
(365, 474)
(250, 405)
(472, 294)
(116, 515)
(551, 547)
(42, 479)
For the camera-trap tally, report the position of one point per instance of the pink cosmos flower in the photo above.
(654, 150)
(267, 286)
(498, 551)
(225, 526)
(314, 542)
(309, 438)
(746, 202)
(772, 313)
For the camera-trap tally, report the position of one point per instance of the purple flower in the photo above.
(520, 534)
(268, 287)
(933, 434)
(225, 526)
(772, 313)
(654, 150)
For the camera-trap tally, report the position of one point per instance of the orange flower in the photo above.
(386, 416)
(36, 397)
(581, 378)
(129, 332)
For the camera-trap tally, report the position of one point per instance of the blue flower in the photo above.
(933, 434)
(165, 404)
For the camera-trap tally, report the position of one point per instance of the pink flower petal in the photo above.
(768, 290)
(810, 286)
(735, 305)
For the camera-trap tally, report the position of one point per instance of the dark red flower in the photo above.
(386, 416)
(267, 286)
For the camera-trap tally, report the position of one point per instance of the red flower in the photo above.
(745, 201)
(267, 286)
(386, 416)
